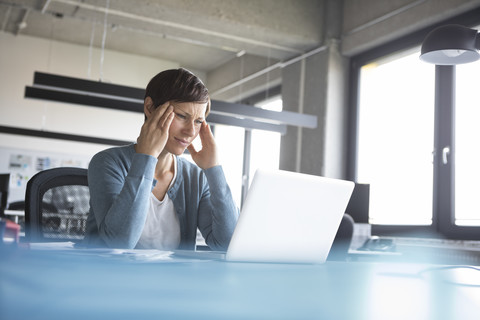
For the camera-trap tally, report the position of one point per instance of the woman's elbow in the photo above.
(118, 241)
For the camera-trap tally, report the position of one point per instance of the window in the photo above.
(265, 148)
(414, 139)
(230, 140)
(395, 139)
(262, 148)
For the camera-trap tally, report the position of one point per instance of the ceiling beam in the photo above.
(179, 26)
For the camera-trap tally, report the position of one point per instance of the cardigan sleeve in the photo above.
(218, 213)
(119, 193)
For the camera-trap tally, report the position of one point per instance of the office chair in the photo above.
(356, 211)
(4, 184)
(359, 203)
(57, 205)
(16, 205)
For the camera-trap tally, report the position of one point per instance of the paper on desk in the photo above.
(51, 245)
(140, 255)
(143, 255)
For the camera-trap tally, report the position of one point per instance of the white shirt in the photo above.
(162, 227)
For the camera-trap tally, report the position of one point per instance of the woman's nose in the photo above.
(189, 128)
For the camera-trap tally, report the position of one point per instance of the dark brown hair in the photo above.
(178, 85)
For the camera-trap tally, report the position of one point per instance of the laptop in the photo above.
(287, 217)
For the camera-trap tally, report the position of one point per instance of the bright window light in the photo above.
(395, 139)
(265, 149)
(230, 141)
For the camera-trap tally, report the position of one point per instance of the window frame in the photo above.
(443, 225)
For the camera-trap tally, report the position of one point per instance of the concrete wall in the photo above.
(220, 80)
(369, 23)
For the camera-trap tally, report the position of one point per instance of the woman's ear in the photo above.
(148, 106)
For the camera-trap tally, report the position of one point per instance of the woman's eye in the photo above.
(199, 122)
(181, 116)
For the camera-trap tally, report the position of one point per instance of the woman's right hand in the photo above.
(154, 133)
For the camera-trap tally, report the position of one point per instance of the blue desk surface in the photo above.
(70, 284)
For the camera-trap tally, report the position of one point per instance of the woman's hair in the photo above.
(178, 85)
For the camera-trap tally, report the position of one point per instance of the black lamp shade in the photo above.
(450, 45)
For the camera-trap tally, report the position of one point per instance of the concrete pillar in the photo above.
(318, 85)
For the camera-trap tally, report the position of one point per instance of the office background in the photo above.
(245, 51)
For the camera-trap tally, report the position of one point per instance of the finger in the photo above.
(206, 134)
(203, 130)
(208, 129)
(167, 117)
(159, 112)
(191, 149)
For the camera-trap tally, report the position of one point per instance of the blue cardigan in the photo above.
(120, 182)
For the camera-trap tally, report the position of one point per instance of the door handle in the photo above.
(445, 154)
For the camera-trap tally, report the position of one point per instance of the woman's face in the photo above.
(185, 126)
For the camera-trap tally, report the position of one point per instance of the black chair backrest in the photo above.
(4, 184)
(57, 205)
(17, 205)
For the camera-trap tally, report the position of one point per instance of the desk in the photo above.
(61, 284)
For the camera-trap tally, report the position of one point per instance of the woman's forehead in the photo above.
(192, 108)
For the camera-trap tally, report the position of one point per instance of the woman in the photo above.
(144, 196)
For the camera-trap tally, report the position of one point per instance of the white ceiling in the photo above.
(198, 34)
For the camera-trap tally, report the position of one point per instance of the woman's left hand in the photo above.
(206, 157)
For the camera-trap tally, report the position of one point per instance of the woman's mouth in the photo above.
(183, 142)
